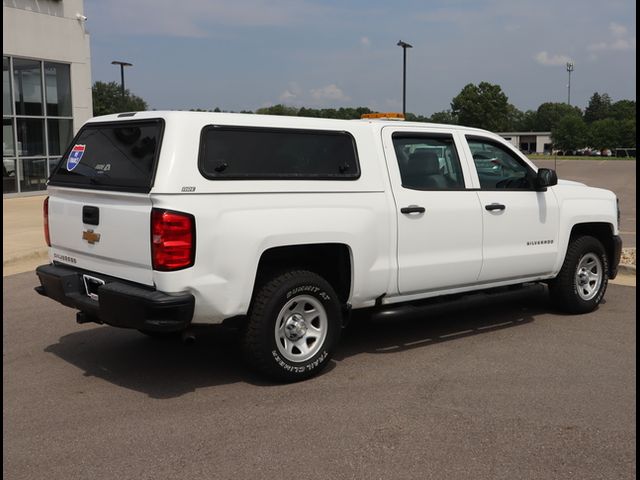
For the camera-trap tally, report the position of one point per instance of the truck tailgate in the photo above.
(102, 231)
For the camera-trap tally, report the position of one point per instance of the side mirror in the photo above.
(546, 177)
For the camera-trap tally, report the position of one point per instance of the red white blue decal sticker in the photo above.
(75, 156)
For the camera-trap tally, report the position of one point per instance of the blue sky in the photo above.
(245, 54)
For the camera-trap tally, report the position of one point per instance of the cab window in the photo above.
(498, 168)
(428, 162)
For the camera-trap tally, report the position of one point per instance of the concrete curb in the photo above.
(625, 269)
(40, 253)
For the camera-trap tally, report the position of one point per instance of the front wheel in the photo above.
(583, 278)
(293, 326)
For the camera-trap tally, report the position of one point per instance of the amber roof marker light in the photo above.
(383, 116)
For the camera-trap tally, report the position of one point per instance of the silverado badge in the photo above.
(90, 236)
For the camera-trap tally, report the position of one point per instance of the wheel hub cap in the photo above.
(589, 276)
(583, 278)
(295, 327)
(301, 328)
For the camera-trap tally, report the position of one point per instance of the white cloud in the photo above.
(287, 96)
(620, 41)
(292, 92)
(365, 42)
(617, 30)
(329, 92)
(544, 58)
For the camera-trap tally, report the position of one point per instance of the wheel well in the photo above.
(332, 261)
(601, 231)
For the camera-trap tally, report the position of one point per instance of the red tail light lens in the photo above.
(173, 240)
(45, 218)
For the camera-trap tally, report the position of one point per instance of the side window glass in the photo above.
(497, 167)
(428, 162)
(232, 152)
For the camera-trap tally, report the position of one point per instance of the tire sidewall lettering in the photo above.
(312, 365)
(309, 289)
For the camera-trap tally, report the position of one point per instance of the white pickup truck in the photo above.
(162, 221)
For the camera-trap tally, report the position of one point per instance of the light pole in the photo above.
(569, 70)
(404, 46)
(122, 65)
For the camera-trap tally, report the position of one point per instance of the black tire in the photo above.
(302, 293)
(567, 292)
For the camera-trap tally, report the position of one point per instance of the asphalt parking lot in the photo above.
(494, 387)
(619, 176)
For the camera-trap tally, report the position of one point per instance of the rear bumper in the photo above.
(119, 303)
(615, 256)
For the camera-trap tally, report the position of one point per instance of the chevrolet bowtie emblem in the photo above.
(90, 236)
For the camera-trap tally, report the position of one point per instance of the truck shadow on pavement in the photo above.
(409, 327)
(164, 369)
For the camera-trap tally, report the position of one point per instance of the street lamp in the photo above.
(404, 46)
(569, 70)
(122, 65)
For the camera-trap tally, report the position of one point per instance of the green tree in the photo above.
(412, 117)
(598, 108)
(279, 109)
(570, 133)
(484, 106)
(550, 113)
(604, 134)
(445, 116)
(522, 121)
(627, 131)
(107, 99)
(623, 110)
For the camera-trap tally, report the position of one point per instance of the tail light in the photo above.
(45, 218)
(173, 240)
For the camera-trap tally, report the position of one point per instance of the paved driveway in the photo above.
(618, 176)
(497, 387)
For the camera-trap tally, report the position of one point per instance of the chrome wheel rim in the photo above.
(589, 275)
(301, 328)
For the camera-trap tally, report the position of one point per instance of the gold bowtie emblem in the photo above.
(90, 236)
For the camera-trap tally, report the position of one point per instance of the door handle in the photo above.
(90, 215)
(494, 206)
(412, 209)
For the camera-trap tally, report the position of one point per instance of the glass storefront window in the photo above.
(9, 176)
(27, 82)
(7, 105)
(8, 149)
(57, 82)
(30, 137)
(33, 174)
(60, 134)
(53, 163)
(37, 121)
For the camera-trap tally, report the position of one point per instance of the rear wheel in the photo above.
(583, 278)
(293, 326)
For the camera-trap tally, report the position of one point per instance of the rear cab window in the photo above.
(250, 153)
(112, 156)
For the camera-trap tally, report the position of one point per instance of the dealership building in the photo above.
(46, 88)
(529, 142)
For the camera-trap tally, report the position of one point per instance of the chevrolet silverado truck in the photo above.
(163, 221)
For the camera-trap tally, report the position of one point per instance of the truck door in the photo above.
(439, 219)
(520, 224)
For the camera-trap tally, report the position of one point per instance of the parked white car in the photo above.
(162, 221)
